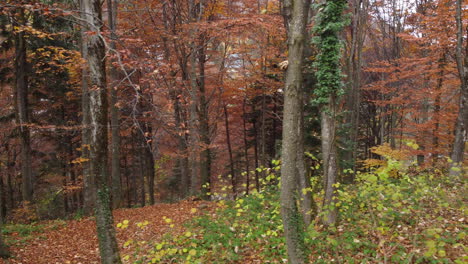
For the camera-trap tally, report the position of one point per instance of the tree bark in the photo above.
(330, 166)
(458, 151)
(22, 112)
(98, 113)
(89, 183)
(116, 189)
(246, 149)
(295, 13)
(353, 96)
(231, 159)
(205, 154)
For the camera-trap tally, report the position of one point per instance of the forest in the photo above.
(233, 131)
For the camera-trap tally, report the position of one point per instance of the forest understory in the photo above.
(233, 131)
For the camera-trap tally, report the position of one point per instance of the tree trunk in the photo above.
(195, 184)
(330, 166)
(458, 151)
(150, 173)
(22, 115)
(116, 189)
(354, 82)
(246, 149)
(295, 14)
(205, 155)
(89, 183)
(308, 207)
(142, 172)
(257, 176)
(98, 113)
(231, 159)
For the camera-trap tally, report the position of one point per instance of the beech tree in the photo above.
(22, 106)
(330, 22)
(98, 117)
(295, 13)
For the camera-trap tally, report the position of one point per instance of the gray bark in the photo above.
(330, 166)
(98, 113)
(295, 13)
(308, 207)
(89, 188)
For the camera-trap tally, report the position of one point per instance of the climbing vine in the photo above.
(330, 22)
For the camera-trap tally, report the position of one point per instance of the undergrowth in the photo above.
(391, 214)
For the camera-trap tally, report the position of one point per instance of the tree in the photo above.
(459, 143)
(295, 13)
(112, 6)
(329, 88)
(22, 106)
(98, 115)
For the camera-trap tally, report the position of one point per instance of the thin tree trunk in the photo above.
(295, 13)
(308, 207)
(22, 115)
(457, 156)
(89, 188)
(116, 189)
(330, 166)
(142, 172)
(246, 150)
(193, 120)
(205, 155)
(257, 176)
(98, 113)
(231, 159)
(150, 173)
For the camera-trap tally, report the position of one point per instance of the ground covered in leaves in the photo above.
(75, 241)
(391, 214)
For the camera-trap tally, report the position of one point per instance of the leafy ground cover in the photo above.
(75, 241)
(391, 215)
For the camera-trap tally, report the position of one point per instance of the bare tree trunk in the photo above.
(89, 188)
(330, 166)
(98, 113)
(295, 13)
(182, 147)
(150, 173)
(205, 155)
(231, 159)
(142, 172)
(257, 176)
(246, 149)
(193, 124)
(308, 207)
(456, 167)
(116, 189)
(21, 107)
(354, 80)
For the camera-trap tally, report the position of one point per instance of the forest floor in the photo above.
(75, 241)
